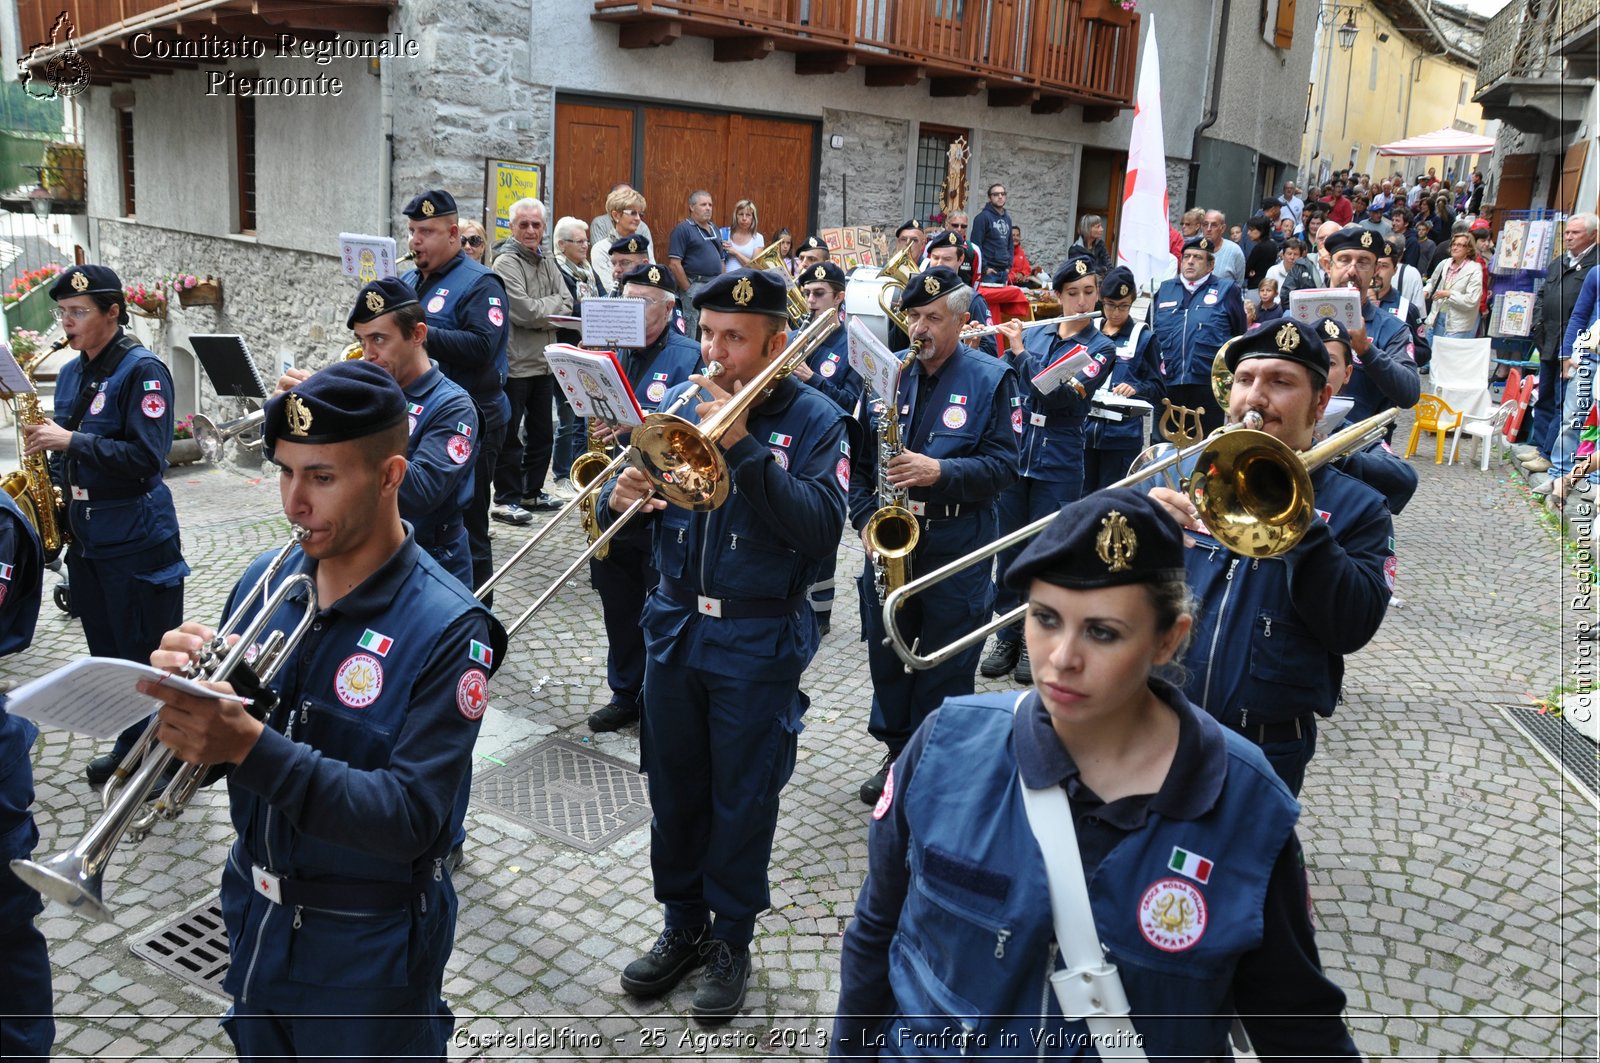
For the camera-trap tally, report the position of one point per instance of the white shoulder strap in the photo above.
(1087, 987)
(1133, 337)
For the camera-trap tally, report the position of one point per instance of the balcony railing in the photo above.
(1082, 50)
(1518, 41)
(1576, 16)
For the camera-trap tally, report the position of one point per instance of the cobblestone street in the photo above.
(1452, 867)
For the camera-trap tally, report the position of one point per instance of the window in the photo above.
(244, 132)
(1372, 77)
(1462, 99)
(125, 149)
(933, 147)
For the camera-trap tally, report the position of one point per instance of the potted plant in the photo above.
(25, 343)
(192, 291)
(1117, 12)
(25, 309)
(147, 300)
(185, 447)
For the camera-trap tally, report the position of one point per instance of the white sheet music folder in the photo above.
(94, 696)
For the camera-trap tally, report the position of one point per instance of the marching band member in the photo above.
(627, 254)
(1376, 465)
(1109, 447)
(626, 575)
(1270, 635)
(828, 370)
(813, 252)
(1049, 422)
(1408, 312)
(26, 1029)
(955, 407)
(336, 896)
(1194, 875)
(1384, 374)
(951, 250)
(727, 636)
(108, 447)
(1193, 315)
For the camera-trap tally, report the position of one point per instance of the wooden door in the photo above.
(769, 163)
(683, 151)
(1564, 193)
(594, 151)
(1100, 187)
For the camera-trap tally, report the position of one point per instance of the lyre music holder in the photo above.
(230, 367)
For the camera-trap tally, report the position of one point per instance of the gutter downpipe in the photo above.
(1209, 119)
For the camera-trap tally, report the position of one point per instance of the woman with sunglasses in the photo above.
(1185, 837)
(475, 241)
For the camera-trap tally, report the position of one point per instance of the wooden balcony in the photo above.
(1042, 53)
(104, 31)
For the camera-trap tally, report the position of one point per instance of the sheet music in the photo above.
(13, 381)
(613, 323)
(876, 363)
(94, 696)
(594, 383)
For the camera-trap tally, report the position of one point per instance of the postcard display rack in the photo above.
(1528, 239)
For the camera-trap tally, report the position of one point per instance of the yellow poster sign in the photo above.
(505, 182)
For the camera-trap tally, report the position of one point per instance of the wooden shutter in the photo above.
(1566, 198)
(1283, 32)
(594, 150)
(771, 166)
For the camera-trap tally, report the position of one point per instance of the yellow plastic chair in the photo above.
(1433, 415)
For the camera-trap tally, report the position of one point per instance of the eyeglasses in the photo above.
(631, 213)
(77, 313)
(958, 228)
(472, 241)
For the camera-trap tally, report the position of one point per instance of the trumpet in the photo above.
(973, 332)
(76, 877)
(1252, 491)
(211, 436)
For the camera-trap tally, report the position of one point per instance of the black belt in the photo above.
(1286, 731)
(731, 609)
(113, 493)
(349, 896)
(440, 537)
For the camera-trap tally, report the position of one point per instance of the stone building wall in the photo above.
(1041, 179)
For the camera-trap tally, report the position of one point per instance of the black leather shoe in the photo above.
(1001, 659)
(1023, 673)
(100, 769)
(824, 624)
(675, 954)
(721, 991)
(615, 716)
(872, 789)
(456, 858)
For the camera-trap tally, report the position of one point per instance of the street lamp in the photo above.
(1348, 32)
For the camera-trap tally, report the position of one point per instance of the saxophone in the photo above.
(31, 487)
(585, 468)
(892, 532)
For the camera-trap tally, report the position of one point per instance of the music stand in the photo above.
(229, 366)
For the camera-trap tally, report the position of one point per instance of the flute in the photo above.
(979, 331)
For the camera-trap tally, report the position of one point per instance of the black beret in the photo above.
(1202, 243)
(827, 272)
(812, 243)
(1105, 539)
(430, 204)
(1284, 338)
(1391, 251)
(1073, 269)
(347, 400)
(948, 238)
(379, 298)
(87, 280)
(652, 275)
(911, 224)
(630, 245)
(1331, 329)
(1353, 237)
(1118, 283)
(745, 291)
(935, 282)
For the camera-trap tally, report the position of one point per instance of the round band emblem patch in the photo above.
(830, 367)
(781, 455)
(1172, 915)
(954, 417)
(1016, 421)
(1091, 370)
(655, 391)
(411, 424)
(1391, 568)
(459, 448)
(153, 405)
(359, 680)
(436, 304)
(497, 316)
(98, 404)
(841, 471)
(885, 799)
(472, 694)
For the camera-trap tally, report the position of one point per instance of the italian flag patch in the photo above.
(152, 385)
(413, 408)
(1193, 865)
(375, 642)
(778, 439)
(481, 654)
(5, 571)
(465, 429)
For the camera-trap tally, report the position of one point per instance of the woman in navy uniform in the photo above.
(727, 635)
(468, 334)
(1267, 658)
(828, 370)
(108, 448)
(336, 896)
(958, 413)
(626, 575)
(1050, 422)
(26, 1028)
(1195, 877)
(1109, 447)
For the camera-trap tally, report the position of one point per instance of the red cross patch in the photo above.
(459, 448)
(472, 694)
(153, 405)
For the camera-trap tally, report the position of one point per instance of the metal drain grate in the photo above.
(1576, 756)
(194, 947)
(567, 792)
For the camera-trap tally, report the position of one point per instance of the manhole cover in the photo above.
(1576, 756)
(567, 792)
(194, 947)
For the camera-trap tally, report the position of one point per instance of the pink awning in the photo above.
(1440, 142)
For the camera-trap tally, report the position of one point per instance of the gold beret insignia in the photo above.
(1288, 337)
(821, 273)
(1366, 239)
(1122, 291)
(654, 275)
(427, 208)
(374, 303)
(298, 415)
(744, 291)
(80, 282)
(633, 245)
(1116, 544)
(1081, 267)
(931, 285)
(1331, 327)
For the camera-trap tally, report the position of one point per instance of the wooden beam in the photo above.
(1011, 96)
(649, 33)
(1101, 113)
(374, 20)
(836, 62)
(741, 49)
(1049, 105)
(883, 77)
(242, 25)
(964, 86)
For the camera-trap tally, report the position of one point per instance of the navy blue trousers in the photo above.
(624, 579)
(26, 1028)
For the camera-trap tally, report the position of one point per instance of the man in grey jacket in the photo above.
(534, 292)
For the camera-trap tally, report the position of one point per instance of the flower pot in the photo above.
(32, 311)
(184, 452)
(1106, 11)
(207, 293)
(159, 311)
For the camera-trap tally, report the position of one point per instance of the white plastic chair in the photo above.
(1486, 431)
(1459, 374)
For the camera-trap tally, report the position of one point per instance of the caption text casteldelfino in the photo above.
(213, 48)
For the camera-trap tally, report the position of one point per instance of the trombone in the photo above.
(211, 436)
(1252, 491)
(76, 877)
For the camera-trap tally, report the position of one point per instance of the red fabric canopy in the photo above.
(1440, 142)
